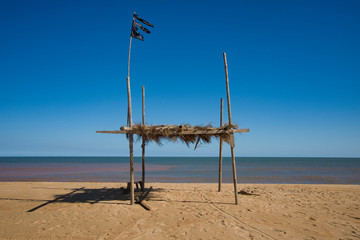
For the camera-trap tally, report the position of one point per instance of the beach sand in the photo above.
(78, 210)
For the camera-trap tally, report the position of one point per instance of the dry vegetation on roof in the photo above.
(185, 133)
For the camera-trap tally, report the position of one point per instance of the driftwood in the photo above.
(144, 205)
(140, 199)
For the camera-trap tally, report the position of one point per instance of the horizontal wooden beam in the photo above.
(128, 130)
(241, 130)
(114, 132)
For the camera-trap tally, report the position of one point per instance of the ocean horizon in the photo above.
(281, 170)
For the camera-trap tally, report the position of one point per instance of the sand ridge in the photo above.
(78, 210)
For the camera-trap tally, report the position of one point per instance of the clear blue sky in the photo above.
(294, 71)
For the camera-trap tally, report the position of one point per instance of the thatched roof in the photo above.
(185, 133)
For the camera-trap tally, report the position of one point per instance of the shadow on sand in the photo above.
(92, 196)
(109, 196)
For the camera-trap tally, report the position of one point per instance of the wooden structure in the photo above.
(184, 133)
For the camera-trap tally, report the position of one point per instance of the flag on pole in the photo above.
(135, 29)
(143, 21)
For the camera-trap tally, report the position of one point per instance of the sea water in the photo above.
(183, 169)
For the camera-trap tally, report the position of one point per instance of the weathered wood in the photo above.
(127, 130)
(144, 205)
(227, 88)
(142, 197)
(137, 184)
(143, 140)
(129, 116)
(232, 140)
(221, 144)
(230, 122)
(113, 132)
(234, 174)
(147, 207)
(143, 105)
(129, 122)
(131, 169)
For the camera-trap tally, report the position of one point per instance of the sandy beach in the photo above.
(78, 210)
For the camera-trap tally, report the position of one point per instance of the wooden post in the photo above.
(143, 140)
(129, 122)
(221, 144)
(232, 135)
(131, 140)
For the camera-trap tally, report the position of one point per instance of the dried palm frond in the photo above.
(185, 133)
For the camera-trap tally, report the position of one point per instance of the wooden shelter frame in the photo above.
(225, 133)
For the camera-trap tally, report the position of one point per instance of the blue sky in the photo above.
(294, 71)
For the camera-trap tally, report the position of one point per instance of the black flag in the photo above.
(141, 27)
(143, 21)
(134, 32)
(135, 25)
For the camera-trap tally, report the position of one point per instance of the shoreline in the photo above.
(122, 184)
(100, 210)
(182, 170)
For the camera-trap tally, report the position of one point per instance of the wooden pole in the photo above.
(129, 115)
(227, 88)
(143, 105)
(129, 122)
(232, 135)
(143, 140)
(221, 144)
(131, 139)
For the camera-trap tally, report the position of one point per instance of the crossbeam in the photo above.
(128, 130)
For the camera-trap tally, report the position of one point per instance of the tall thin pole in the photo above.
(143, 140)
(221, 144)
(227, 88)
(129, 115)
(232, 145)
(129, 122)
(143, 105)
